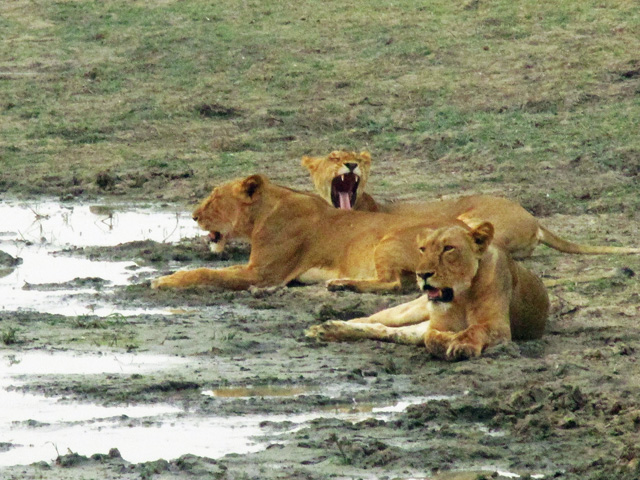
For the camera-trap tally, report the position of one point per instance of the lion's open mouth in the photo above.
(439, 294)
(344, 190)
(215, 237)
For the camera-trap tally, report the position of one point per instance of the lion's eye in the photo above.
(448, 248)
(422, 249)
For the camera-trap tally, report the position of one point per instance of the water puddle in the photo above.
(473, 474)
(262, 391)
(35, 231)
(39, 428)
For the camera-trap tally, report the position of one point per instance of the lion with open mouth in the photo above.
(298, 236)
(341, 177)
(475, 296)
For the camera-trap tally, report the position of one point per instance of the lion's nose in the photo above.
(195, 217)
(351, 166)
(425, 275)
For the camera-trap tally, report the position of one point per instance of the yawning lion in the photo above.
(341, 177)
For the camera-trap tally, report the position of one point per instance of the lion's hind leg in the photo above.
(337, 330)
(394, 256)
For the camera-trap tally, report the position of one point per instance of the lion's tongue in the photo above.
(434, 293)
(345, 200)
(343, 189)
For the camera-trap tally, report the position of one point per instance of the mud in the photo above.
(241, 393)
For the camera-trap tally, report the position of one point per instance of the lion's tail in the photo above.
(550, 239)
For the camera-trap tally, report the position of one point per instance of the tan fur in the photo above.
(296, 235)
(494, 299)
(517, 231)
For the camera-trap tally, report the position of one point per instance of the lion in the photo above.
(341, 177)
(298, 236)
(476, 296)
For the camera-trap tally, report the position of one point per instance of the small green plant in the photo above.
(9, 335)
(88, 322)
(118, 337)
(340, 444)
(223, 336)
(116, 319)
(116, 331)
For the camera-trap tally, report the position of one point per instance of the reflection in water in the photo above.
(34, 232)
(262, 391)
(38, 427)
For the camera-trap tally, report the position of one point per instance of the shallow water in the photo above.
(36, 231)
(39, 428)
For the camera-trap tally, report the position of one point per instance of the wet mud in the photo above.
(242, 393)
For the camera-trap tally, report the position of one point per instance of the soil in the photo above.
(567, 406)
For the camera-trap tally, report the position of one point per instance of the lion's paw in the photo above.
(328, 331)
(435, 347)
(159, 283)
(262, 292)
(463, 350)
(167, 281)
(341, 285)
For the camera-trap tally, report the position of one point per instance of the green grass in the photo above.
(9, 335)
(490, 92)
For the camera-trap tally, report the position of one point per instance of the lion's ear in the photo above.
(310, 162)
(482, 236)
(366, 156)
(250, 186)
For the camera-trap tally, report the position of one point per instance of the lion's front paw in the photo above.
(331, 330)
(341, 285)
(460, 350)
(159, 283)
(435, 346)
(262, 292)
(167, 281)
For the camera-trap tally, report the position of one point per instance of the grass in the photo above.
(491, 93)
(9, 335)
(114, 330)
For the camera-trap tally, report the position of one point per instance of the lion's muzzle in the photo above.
(434, 294)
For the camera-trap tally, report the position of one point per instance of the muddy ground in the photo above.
(159, 101)
(567, 406)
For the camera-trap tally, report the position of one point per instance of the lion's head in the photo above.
(340, 177)
(449, 260)
(223, 212)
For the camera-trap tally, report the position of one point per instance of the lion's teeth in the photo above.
(342, 178)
